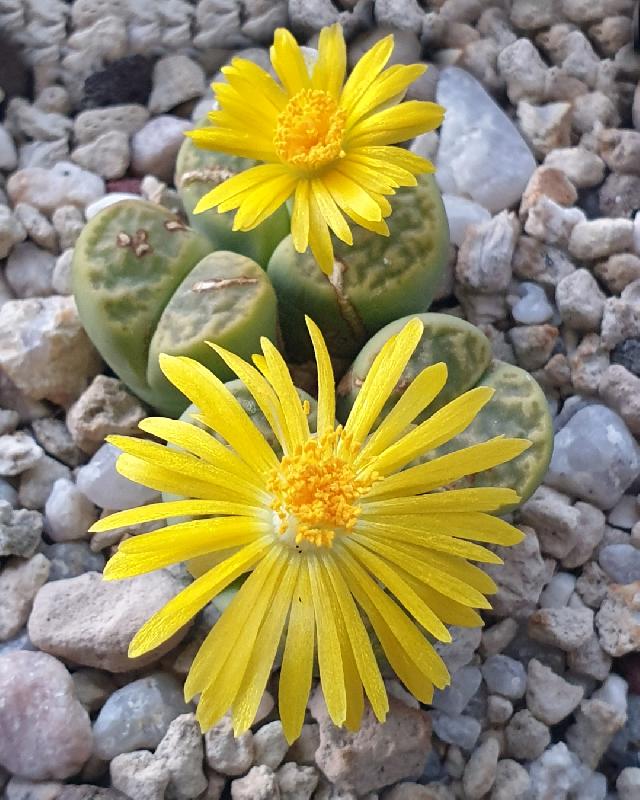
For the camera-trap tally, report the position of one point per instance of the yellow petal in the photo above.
(357, 634)
(396, 124)
(375, 170)
(202, 444)
(389, 577)
(330, 67)
(398, 156)
(230, 142)
(264, 395)
(484, 498)
(177, 508)
(379, 181)
(352, 682)
(380, 227)
(449, 468)
(300, 216)
(398, 635)
(221, 639)
(463, 524)
(450, 612)
(187, 465)
(225, 682)
(196, 535)
(263, 201)
(252, 80)
(152, 551)
(264, 651)
(329, 654)
(280, 377)
(414, 675)
(428, 572)
(297, 661)
(223, 412)
(330, 211)
(157, 477)
(326, 383)
(389, 85)
(365, 72)
(319, 237)
(429, 541)
(235, 188)
(260, 114)
(420, 393)
(351, 196)
(184, 606)
(288, 62)
(446, 423)
(381, 379)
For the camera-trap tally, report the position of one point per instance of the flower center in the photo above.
(316, 492)
(309, 130)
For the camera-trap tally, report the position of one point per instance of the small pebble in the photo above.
(505, 676)
(454, 699)
(526, 737)
(549, 697)
(480, 772)
(31, 745)
(532, 308)
(155, 146)
(621, 562)
(68, 513)
(181, 751)
(70, 559)
(20, 580)
(106, 488)
(138, 715)
(566, 628)
(460, 730)
(20, 531)
(270, 745)
(139, 775)
(225, 753)
(595, 457)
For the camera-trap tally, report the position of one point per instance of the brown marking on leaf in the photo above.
(214, 175)
(139, 242)
(345, 306)
(175, 225)
(221, 283)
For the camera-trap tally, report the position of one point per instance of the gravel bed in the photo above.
(539, 163)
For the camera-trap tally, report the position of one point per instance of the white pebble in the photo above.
(108, 200)
(532, 308)
(101, 483)
(68, 512)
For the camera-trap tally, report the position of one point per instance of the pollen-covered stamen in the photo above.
(316, 491)
(310, 129)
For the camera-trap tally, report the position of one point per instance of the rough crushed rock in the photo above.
(542, 198)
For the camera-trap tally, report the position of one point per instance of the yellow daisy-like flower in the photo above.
(325, 141)
(336, 529)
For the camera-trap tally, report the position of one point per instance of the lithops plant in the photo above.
(145, 283)
(375, 281)
(198, 171)
(517, 409)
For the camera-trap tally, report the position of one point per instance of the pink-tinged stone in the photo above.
(125, 185)
(376, 755)
(87, 620)
(45, 733)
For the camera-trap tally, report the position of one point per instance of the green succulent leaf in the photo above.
(374, 281)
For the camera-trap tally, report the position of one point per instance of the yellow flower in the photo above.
(338, 527)
(324, 141)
